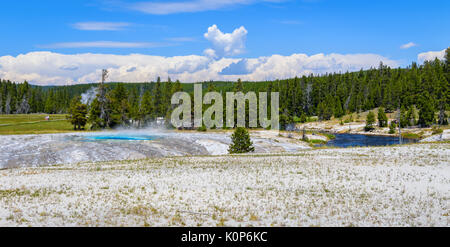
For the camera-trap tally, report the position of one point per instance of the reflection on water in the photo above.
(353, 140)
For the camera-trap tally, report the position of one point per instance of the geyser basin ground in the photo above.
(51, 149)
(121, 137)
(376, 186)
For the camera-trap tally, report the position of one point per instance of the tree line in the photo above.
(419, 91)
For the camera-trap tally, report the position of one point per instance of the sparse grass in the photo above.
(221, 222)
(23, 118)
(139, 210)
(411, 135)
(316, 141)
(253, 217)
(14, 192)
(329, 136)
(22, 192)
(437, 131)
(370, 186)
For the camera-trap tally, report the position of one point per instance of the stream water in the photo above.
(353, 140)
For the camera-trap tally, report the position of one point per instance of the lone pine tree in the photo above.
(240, 142)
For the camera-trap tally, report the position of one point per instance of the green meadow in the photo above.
(34, 124)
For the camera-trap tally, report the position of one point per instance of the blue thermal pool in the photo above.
(354, 140)
(121, 137)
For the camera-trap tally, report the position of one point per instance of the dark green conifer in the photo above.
(240, 142)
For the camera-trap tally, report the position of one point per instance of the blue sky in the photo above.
(177, 28)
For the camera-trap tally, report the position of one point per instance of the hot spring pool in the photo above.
(73, 148)
(121, 137)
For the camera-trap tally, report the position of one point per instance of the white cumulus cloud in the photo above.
(408, 45)
(49, 68)
(430, 55)
(105, 44)
(225, 44)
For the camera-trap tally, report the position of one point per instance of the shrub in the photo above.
(303, 118)
(349, 119)
(329, 136)
(437, 131)
(392, 127)
(240, 142)
(285, 121)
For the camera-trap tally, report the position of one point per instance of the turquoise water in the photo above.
(121, 137)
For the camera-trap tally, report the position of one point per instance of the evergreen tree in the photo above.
(167, 96)
(8, 104)
(158, 107)
(338, 111)
(134, 100)
(33, 102)
(411, 116)
(320, 110)
(78, 112)
(147, 110)
(392, 127)
(124, 111)
(240, 142)
(447, 57)
(1, 100)
(239, 87)
(211, 88)
(426, 114)
(324, 111)
(118, 94)
(94, 115)
(382, 118)
(120, 106)
(404, 122)
(370, 121)
(24, 107)
(303, 118)
(444, 89)
(177, 87)
(286, 121)
(104, 108)
(50, 104)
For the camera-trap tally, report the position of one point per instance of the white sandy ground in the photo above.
(355, 128)
(378, 186)
(444, 136)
